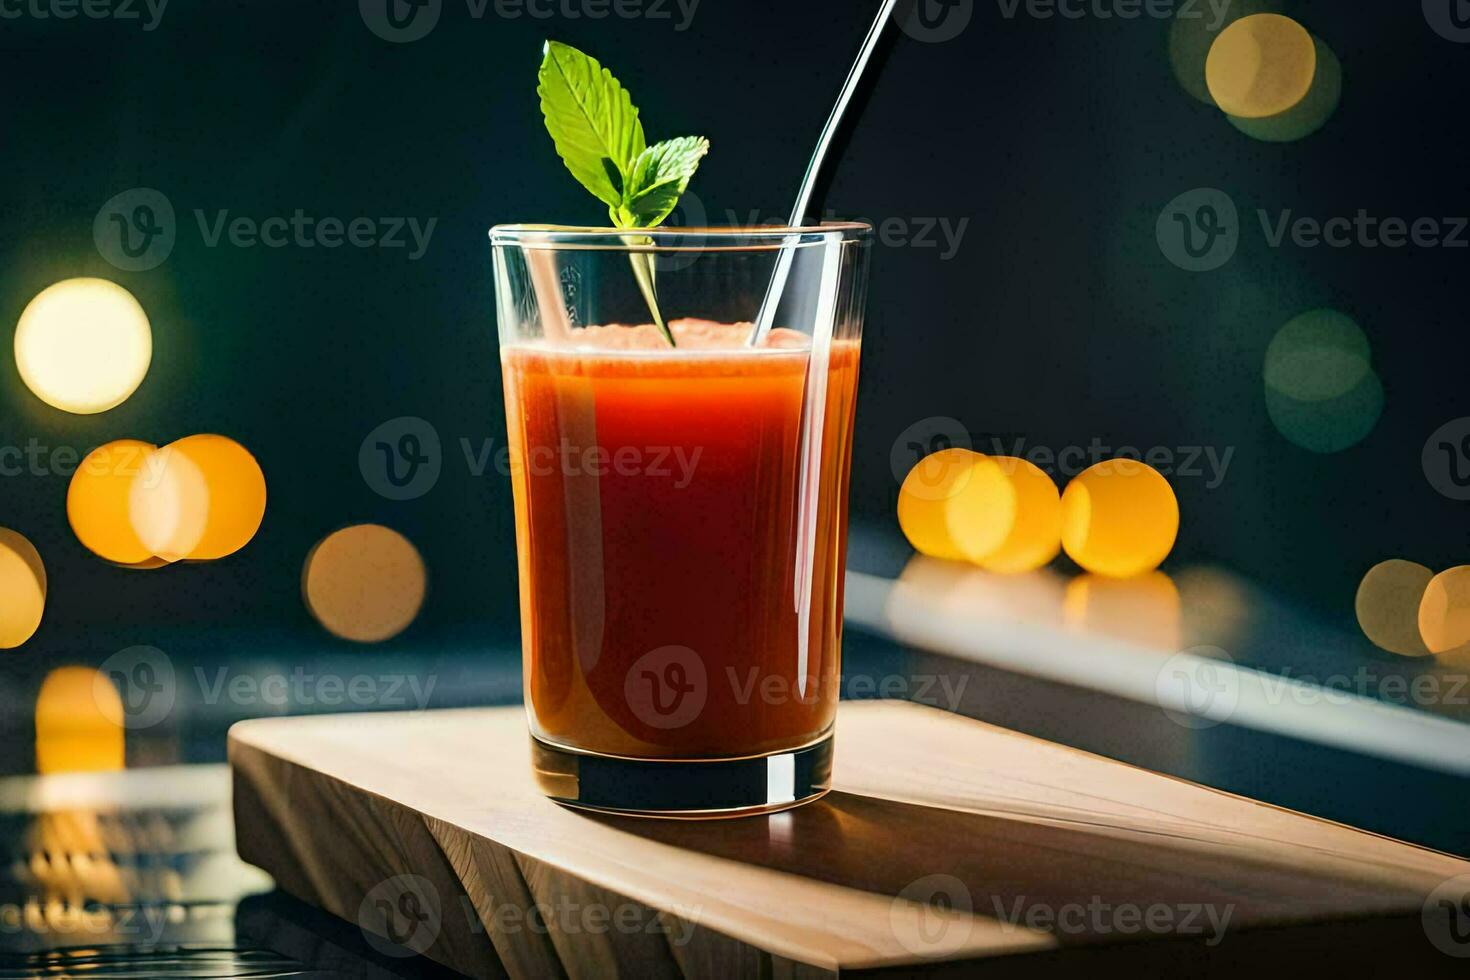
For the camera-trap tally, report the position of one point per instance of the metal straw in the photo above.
(814, 171)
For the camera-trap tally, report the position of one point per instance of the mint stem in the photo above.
(643, 271)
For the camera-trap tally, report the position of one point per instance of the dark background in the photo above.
(1058, 321)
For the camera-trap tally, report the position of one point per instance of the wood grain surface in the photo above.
(945, 842)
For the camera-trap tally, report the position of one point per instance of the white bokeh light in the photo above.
(83, 345)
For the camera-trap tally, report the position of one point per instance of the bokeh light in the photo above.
(22, 589)
(1444, 615)
(1387, 605)
(956, 504)
(1144, 609)
(75, 730)
(235, 493)
(1119, 518)
(168, 504)
(200, 498)
(1261, 66)
(97, 502)
(83, 345)
(1191, 36)
(1317, 356)
(1035, 535)
(1307, 116)
(1328, 426)
(364, 583)
(1321, 391)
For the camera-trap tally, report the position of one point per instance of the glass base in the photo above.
(691, 789)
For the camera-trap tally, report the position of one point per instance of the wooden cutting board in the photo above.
(944, 842)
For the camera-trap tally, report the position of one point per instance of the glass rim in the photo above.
(667, 239)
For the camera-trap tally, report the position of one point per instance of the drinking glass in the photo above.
(681, 509)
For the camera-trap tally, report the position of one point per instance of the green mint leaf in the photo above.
(598, 135)
(614, 175)
(591, 119)
(659, 176)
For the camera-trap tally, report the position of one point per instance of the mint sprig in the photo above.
(599, 136)
(660, 175)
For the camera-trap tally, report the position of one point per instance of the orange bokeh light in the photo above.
(97, 502)
(1120, 518)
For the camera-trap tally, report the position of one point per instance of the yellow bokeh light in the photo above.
(1191, 37)
(1387, 605)
(956, 504)
(1144, 609)
(365, 583)
(1035, 535)
(22, 589)
(235, 493)
(97, 502)
(1261, 66)
(200, 498)
(75, 730)
(83, 345)
(1119, 518)
(168, 504)
(1444, 615)
(1307, 116)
